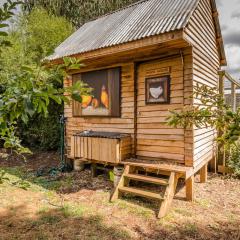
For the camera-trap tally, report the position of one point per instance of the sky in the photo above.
(229, 14)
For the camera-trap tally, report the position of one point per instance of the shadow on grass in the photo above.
(70, 182)
(62, 223)
(191, 231)
(76, 181)
(73, 182)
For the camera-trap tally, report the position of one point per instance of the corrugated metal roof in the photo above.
(140, 20)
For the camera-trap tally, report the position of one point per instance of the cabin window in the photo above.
(105, 99)
(157, 90)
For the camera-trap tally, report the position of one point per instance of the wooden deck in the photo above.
(185, 172)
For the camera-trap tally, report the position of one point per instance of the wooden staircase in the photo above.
(165, 200)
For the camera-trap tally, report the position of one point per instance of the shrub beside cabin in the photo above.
(143, 61)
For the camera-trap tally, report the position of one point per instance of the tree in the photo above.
(34, 36)
(78, 11)
(29, 89)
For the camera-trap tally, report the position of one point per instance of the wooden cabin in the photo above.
(142, 61)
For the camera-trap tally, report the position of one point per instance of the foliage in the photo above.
(29, 93)
(233, 160)
(42, 132)
(211, 112)
(6, 12)
(3, 177)
(20, 183)
(32, 38)
(29, 89)
(44, 33)
(78, 11)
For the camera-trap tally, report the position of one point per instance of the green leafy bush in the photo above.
(233, 161)
(28, 86)
(41, 132)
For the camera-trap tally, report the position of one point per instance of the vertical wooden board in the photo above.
(79, 147)
(89, 142)
(72, 154)
(75, 147)
(96, 149)
(82, 147)
(99, 148)
(85, 147)
(117, 152)
(104, 149)
(114, 152)
(111, 150)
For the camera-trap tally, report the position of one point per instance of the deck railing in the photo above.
(230, 89)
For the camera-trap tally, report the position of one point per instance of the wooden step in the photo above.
(148, 179)
(141, 193)
(186, 172)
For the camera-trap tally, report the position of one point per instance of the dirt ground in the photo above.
(75, 206)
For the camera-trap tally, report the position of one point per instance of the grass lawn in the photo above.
(74, 206)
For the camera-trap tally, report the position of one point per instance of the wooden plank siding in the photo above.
(201, 33)
(155, 139)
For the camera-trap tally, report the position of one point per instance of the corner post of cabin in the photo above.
(190, 189)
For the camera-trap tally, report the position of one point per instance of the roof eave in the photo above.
(137, 44)
(221, 50)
